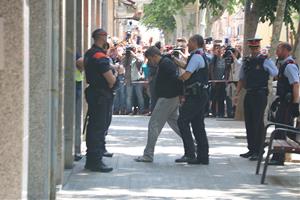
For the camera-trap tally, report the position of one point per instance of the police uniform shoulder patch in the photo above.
(199, 52)
(99, 55)
(290, 62)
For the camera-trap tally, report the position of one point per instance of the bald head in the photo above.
(286, 46)
(283, 50)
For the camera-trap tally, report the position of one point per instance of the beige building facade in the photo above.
(232, 26)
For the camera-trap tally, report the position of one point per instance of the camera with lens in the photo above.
(229, 50)
(176, 52)
(208, 40)
(128, 50)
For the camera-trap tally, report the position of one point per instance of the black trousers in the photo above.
(254, 108)
(192, 112)
(100, 115)
(218, 95)
(283, 116)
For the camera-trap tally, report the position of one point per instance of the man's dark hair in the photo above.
(286, 46)
(152, 51)
(198, 39)
(97, 33)
(158, 45)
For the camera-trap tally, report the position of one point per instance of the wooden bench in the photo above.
(265, 141)
(278, 146)
(288, 146)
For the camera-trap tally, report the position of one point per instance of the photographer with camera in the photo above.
(233, 63)
(217, 73)
(133, 74)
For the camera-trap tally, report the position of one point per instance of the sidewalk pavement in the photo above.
(226, 177)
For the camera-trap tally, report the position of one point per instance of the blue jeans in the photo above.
(120, 98)
(136, 88)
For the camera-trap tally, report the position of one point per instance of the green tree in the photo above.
(215, 9)
(277, 26)
(296, 49)
(265, 10)
(160, 13)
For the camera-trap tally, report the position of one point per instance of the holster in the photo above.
(195, 89)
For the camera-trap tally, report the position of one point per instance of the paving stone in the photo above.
(227, 177)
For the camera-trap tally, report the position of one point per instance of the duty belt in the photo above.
(257, 90)
(195, 89)
(197, 84)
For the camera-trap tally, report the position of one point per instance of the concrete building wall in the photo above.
(37, 62)
(14, 92)
(110, 17)
(40, 99)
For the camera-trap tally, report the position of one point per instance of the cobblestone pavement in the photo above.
(227, 177)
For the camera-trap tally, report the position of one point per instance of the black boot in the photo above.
(247, 155)
(184, 159)
(254, 157)
(199, 161)
(95, 164)
(277, 159)
(107, 154)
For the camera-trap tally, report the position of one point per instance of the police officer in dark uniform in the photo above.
(254, 76)
(192, 110)
(99, 96)
(288, 93)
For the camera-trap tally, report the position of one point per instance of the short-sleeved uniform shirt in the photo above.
(197, 62)
(96, 64)
(291, 71)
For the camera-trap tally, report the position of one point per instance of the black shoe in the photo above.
(276, 163)
(254, 157)
(184, 159)
(247, 155)
(77, 157)
(107, 154)
(198, 162)
(99, 167)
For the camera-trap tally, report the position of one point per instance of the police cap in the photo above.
(254, 42)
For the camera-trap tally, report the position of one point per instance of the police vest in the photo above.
(283, 85)
(201, 75)
(94, 59)
(256, 77)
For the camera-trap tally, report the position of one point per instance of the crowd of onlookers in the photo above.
(137, 76)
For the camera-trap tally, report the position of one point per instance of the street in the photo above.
(226, 177)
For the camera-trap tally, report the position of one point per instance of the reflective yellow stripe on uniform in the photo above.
(78, 75)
